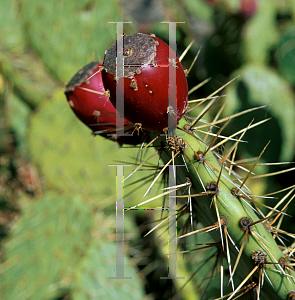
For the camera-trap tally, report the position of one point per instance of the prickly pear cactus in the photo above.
(221, 200)
(232, 241)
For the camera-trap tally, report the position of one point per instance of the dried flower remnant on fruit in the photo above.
(81, 76)
(176, 143)
(139, 50)
(259, 257)
(245, 224)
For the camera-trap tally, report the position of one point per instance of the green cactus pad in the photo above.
(68, 34)
(92, 279)
(45, 246)
(74, 161)
(259, 85)
(285, 54)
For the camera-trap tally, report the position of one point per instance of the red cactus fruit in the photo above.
(146, 81)
(85, 94)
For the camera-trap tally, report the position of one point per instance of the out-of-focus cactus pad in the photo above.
(285, 54)
(92, 280)
(45, 246)
(72, 159)
(68, 34)
(258, 85)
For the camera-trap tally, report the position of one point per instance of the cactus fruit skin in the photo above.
(146, 81)
(85, 95)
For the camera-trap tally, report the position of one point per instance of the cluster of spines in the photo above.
(223, 185)
(218, 177)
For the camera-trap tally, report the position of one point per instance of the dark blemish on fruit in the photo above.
(81, 76)
(127, 52)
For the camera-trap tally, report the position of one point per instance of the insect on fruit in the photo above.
(87, 98)
(146, 81)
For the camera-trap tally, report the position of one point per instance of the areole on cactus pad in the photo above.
(146, 81)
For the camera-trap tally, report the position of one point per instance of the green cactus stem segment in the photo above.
(209, 178)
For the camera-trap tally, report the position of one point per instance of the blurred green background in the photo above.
(57, 192)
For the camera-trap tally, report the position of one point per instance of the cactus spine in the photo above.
(260, 256)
